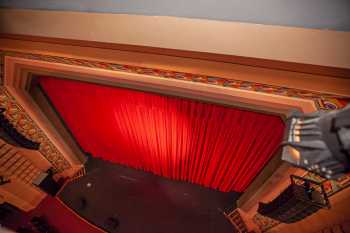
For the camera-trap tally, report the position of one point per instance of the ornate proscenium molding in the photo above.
(10, 133)
(323, 101)
(26, 126)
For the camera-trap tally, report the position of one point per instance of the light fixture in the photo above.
(319, 142)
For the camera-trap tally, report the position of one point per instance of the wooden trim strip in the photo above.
(248, 61)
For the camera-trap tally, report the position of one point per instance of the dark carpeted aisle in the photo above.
(145, 203)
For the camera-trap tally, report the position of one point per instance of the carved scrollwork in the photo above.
(28, 128)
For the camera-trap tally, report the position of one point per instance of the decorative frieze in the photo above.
(27, 127)
(322, 100)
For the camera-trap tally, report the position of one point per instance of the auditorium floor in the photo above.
(145, 203)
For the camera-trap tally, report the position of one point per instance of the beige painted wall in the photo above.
(310, 46)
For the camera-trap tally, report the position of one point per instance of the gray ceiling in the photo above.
(321, 14)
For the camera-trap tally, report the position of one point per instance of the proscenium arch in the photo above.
(20, 72)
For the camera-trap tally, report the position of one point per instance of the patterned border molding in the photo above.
(323, 101)
(26, 126)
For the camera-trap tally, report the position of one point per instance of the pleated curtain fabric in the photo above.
(215, 146)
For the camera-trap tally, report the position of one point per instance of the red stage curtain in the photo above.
(214, 146)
